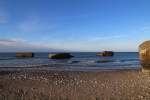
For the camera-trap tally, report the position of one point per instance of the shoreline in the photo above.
(40, 70)
(37, 71)
(60, 67)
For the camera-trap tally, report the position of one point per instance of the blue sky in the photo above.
(74, 25)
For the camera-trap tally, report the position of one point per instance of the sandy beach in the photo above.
(67, 85)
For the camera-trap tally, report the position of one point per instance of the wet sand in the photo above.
(67, 85)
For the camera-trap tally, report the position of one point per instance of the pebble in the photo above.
(140, 96)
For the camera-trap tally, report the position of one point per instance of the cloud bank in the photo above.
(19, 45)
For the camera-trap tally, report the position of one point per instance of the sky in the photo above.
(73, 25)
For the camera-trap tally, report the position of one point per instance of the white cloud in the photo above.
(13, 45)
(17, 44)
(97, 44)
(7, 42)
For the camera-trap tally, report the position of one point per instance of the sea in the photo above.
(82, 61)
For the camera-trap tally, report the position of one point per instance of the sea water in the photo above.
(80, 61)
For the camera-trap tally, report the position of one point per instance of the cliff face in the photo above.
(144, 52)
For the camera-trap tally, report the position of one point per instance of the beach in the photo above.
(128, 84)
(74, 50)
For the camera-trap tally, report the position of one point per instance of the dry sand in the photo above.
(60, 85)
